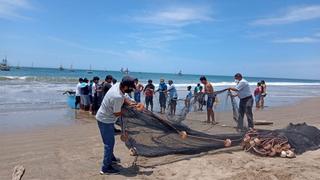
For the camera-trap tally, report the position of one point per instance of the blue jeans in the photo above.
(107, 134)
(137, 97)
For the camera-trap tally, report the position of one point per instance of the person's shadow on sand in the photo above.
(132, 171)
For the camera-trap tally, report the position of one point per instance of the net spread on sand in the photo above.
(153, 135)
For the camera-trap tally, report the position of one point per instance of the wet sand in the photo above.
(75, 152)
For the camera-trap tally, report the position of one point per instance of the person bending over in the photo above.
(108, 113)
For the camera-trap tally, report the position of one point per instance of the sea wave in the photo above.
(39, 78)
(60, 79)
(253, 84)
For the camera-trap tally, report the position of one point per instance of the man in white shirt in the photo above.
(108, 113)
(246, 100)
(78, 90)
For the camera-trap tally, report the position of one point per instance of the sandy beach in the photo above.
(75, 152)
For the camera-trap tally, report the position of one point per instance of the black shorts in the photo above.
(173, 101)
(149, 100)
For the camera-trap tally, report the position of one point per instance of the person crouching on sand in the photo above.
(108, 113)
(246, 100)
(208, 88)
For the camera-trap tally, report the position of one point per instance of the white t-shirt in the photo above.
(243, 89)
(93, 90)
(112, 103)
(78, 89)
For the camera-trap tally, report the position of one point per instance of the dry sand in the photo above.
(75, 152)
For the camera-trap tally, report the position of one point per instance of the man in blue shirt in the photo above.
(173, 95)
(246, 100)
(162, 95)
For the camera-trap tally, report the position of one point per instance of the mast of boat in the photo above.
(71, 68)
(90, 70)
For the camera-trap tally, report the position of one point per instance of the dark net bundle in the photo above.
(286, 142)
(152, 136)
(301, 137)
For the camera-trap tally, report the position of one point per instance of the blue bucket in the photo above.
(71, 101)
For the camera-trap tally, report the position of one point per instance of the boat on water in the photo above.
(180, 73)
(61, 68)
(4, 65)
(124, 71)
(90, 70)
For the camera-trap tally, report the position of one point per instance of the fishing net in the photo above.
(151, 135)
(155, 135)
(294, 139)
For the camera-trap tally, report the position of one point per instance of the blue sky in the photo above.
(257, 38)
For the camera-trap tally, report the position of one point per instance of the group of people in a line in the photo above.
(109, 97)
(89, 94)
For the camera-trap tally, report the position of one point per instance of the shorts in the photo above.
(149, 100)
(210, 101)
(85, 100)
(173, 101)
(162, 100)
(257, 98)
(137, 97)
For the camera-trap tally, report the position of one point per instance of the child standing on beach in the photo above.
(257, 95)
(188, 97)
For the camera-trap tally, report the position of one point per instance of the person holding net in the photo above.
(209, 91)
(162, 95)
(246, 100)
(173, 97)
(108, 113)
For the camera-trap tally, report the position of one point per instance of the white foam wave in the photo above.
(253, 84)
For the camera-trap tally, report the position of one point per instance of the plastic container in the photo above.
(71, 101)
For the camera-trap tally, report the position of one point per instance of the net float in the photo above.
(283, 154)
(246, 138)
(124, 137)
(227, 143)
(257, 141)
(272, 153)
(267, 147)
(252, 143)
(139, 107)
(133, 151)
(290, 154)
(183, 134)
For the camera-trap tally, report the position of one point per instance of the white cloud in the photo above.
(159, 39)
(292, 15)
(298, 40)
(10, 9)
(178, 16)
(80, 46)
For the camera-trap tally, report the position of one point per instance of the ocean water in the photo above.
(34, 95)
(42, 88)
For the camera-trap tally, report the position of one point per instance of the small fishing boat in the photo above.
(126, 71)
(4, 65)
(61, 68)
